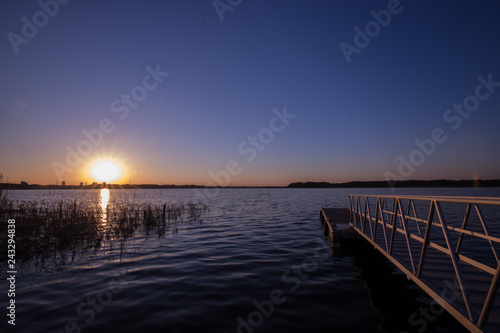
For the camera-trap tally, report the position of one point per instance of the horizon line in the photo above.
(474, 183)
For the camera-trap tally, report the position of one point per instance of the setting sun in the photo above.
(105, 171)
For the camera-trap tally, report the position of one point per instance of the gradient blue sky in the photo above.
(354, 120)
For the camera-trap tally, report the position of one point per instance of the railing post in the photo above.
(407, 236)
(358, 211)
(351, 209)
(384, 229)
(464, 226)
(426, 239)
(368, 215)
(416, 217)
(394, 218)
(376, 220)
(364, 217)
(355, 210)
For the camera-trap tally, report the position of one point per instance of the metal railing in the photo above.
(421, 222)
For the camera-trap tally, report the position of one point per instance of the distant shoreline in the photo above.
(402, 184)
(445, 183)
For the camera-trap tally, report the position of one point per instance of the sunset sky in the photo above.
(253, 93)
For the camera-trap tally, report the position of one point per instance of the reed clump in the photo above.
(3, 196)
(160, 219)
(49, 235)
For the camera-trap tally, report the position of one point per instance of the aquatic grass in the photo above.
(4, 203)
(52, 234)
(49, 235)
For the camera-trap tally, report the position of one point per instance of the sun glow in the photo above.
(105, 171)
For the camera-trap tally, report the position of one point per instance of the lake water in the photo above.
(258, 262)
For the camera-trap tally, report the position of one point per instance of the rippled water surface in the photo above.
(258, 262)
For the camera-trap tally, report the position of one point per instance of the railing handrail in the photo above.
(494, 201)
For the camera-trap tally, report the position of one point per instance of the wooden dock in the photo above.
(335, 223)
(433, 253)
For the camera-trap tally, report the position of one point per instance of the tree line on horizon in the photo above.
(406, 183)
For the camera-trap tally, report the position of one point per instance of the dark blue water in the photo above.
(258, 262)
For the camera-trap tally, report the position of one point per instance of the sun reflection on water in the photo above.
(104, 205)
